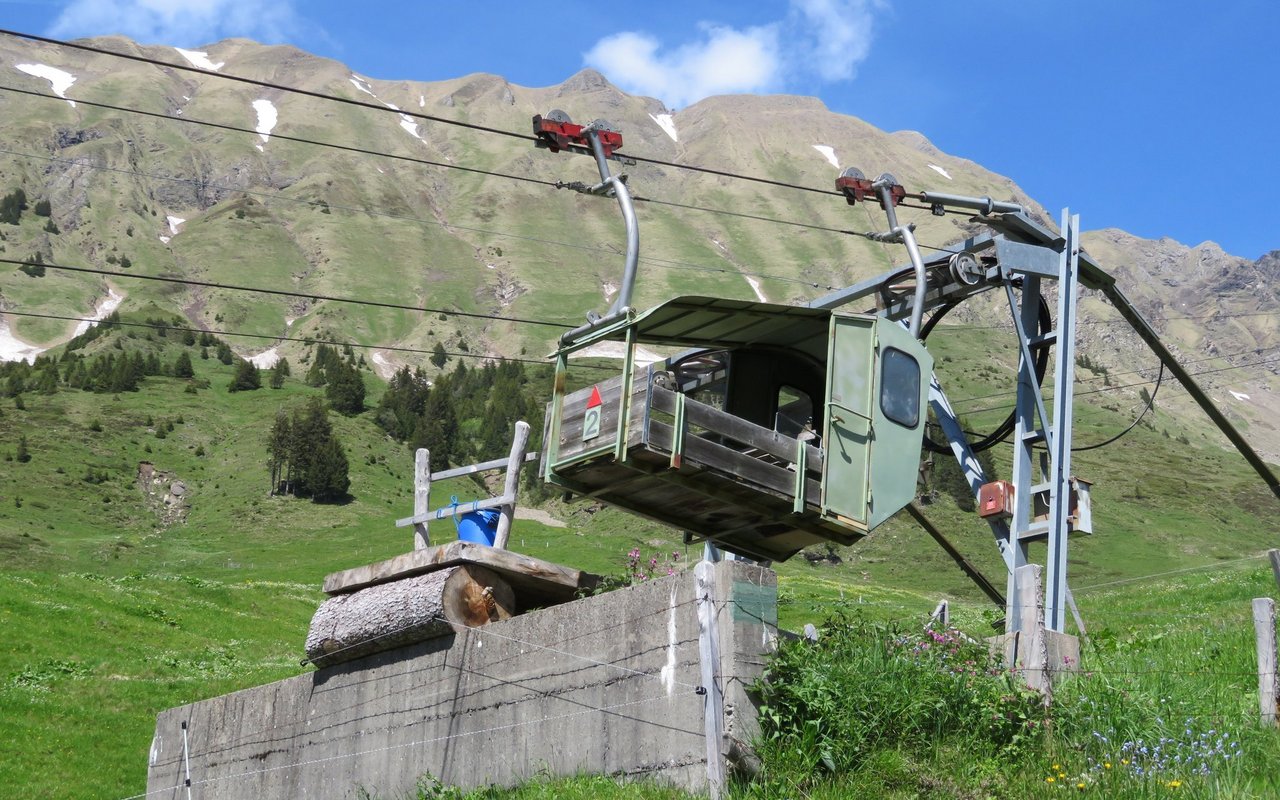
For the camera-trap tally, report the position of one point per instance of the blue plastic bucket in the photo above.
(480, 527)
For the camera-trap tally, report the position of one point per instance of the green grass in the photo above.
(111, 617)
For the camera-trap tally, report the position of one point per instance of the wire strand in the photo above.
(84, 47)
(660, 263)
(282, 293)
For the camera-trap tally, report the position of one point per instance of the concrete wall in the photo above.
(605, 684)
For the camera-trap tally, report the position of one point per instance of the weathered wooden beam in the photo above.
(1275, 565)
(421, 496)
(1264, 628)
(712, 690)
(483, 466)
(541, 578)
(778, 445)
(450, 511)
(391, 615)
(519, 443)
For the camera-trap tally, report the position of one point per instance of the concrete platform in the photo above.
(606, 684)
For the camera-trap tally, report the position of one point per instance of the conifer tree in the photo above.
(182, 367)
(247, 378)
(345, 388)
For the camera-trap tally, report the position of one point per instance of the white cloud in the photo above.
(178, 22)
(722, 61)
(837, 32)
(822, 39)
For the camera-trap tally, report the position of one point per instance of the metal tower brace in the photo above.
(1031, 262)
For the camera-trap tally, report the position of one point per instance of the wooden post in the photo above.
(712, 691)
(1275, 564)
(1075, 612)
(941, 613)
(507, 512)
(1264, 627)
(421, 496)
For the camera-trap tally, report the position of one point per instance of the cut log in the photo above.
(403, 612)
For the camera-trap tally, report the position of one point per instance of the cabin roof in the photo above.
(716, 322)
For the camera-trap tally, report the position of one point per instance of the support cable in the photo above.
(282, 293)
(305, 340)
(82, 46)
(660, 263)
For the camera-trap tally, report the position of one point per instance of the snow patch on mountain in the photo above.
(59, 80)
(266, 359)
(941, 171)
(199, 58)
(105, 306)
(755, 287)
(362, 85)
(267, 118)
(828, 153)
(14, 349)
(382, 365)
(407, 122)
(667, 123)
(174, 223)
(1238, 395)
(410, 126)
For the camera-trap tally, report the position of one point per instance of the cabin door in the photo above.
(877, 384)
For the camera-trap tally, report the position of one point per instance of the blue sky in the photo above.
(1162, 118)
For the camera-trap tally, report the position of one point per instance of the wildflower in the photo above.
(1080, 786)
(1174, 784)
(1106, 764)
(1049, 779)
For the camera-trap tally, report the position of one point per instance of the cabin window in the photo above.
(900, 387)
(704, 377)
(795, 412)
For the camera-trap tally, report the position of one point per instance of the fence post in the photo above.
(712, 690)
(512, 486)
(421, 496)
(1275, 564)
(1264, 627)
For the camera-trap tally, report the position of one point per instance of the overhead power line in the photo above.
(1141, 383)
(306, 340)
(660, 263)
(82, 46)
(283, 293)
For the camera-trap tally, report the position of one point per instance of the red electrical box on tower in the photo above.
(995, 499)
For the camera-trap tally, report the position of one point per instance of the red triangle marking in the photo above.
(595, 398)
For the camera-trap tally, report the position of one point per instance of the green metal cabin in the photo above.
(784, 426)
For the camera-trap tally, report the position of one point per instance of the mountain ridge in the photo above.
(336, 222)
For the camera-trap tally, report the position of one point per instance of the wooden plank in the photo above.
(712, 690)
(1264, 628)
(574, 413)
(699, 451)
(778, 445)
(1275, 565)
(507, 511)
(421, 496)
(448, 512)
(542, 578)
(396, 614)
(483, 466)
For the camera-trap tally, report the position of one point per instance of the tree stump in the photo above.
(391, 615)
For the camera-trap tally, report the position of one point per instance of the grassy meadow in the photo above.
(112, 615)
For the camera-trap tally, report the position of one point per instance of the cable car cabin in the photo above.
(785, 427)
